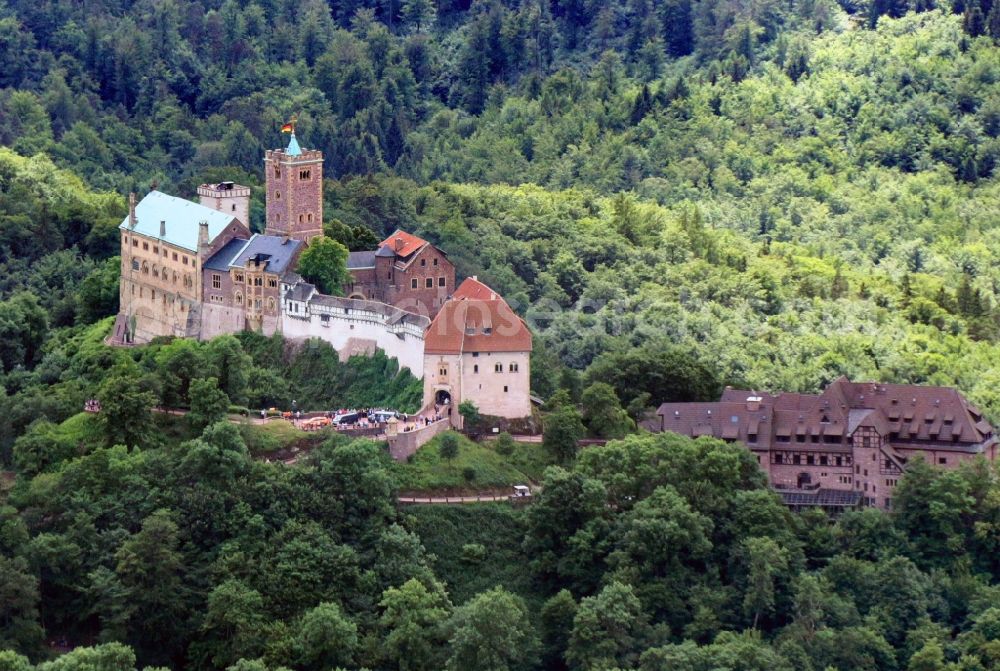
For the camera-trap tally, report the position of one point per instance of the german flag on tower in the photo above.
(290, 126)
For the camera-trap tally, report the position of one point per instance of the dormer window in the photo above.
(487, 330)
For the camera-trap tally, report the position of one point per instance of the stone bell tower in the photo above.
(294, 181)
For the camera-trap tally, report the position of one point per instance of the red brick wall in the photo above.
(294, 201)
(388, 284)
(423, 299)
(234, 230)
(363, 283)
(828, 475)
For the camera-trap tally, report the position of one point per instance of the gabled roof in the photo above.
(403, 244)
(912, 415)
(358, 260)
(725, 419)
(473, 288)
(220, 260)
(475, 325)
(181, 218)
(279, 250)
(301, 291)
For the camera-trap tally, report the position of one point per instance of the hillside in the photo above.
(676, 196)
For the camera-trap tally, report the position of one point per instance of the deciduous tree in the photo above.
(492, 632)
(324, 263)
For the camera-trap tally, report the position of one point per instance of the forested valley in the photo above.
(677, 195)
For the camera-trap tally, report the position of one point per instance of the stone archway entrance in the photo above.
(442, 397)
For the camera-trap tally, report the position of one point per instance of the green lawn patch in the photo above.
(82, 427)
(530, 458)
(475, 547)
(428, 471)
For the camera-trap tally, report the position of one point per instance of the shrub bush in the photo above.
(473, 553)
(504, 444)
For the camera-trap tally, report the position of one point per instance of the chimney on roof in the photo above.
(753, 403)
(132, 221)
(399, 244)
(163, 228)
(202, 235)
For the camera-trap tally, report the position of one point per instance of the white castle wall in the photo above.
(503, 392)
(339, 320)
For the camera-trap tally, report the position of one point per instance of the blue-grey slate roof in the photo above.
(181, 217)
(280, 249)
(361, 260)
(220, 260)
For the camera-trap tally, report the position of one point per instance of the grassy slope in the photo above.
(428, 471)
(275, 435)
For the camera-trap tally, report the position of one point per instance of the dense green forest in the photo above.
(652, 553)
(677, 195)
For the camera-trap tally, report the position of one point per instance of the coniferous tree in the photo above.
(642, 105)
(973, 21)
(678, 28)
(418, 14)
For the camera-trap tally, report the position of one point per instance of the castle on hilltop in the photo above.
(195, 270)
(843, 448)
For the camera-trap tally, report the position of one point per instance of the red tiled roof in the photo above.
(403, 243)
(473, 288)
(473, 325)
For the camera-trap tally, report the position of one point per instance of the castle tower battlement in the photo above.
(294, 183)
(228, 197)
